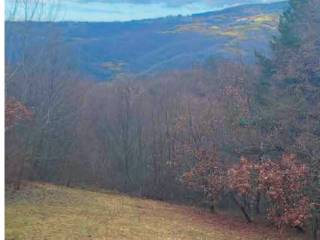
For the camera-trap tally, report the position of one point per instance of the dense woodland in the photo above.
(225, 135)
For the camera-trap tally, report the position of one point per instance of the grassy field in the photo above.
(44, 211)
(239, 29)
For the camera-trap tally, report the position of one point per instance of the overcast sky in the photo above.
(124, 10)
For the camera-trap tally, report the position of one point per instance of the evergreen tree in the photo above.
(288, 93)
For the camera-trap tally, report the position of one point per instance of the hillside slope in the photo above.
(44, 211)
(101, 50)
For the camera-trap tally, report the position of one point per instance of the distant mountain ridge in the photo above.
(102, 49)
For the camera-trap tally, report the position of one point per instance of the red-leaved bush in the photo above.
(15, 112)
(283, 185)
(242, 178)
(207, 175)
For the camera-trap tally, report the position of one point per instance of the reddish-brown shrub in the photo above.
(15, 112)
(283, 185)
(207, 175)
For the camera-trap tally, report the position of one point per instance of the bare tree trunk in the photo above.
(212, 208)
(17, 183)
(315, 228)
(242, 208)
(258, 203)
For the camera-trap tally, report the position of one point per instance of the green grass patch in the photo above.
(44, 211)
(237, 29)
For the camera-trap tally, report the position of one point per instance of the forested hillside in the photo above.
(102, 50)
(228, 135)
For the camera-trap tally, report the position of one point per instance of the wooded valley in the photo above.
(227, 135)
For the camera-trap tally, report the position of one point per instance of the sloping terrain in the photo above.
(145, 46)
(44, 211)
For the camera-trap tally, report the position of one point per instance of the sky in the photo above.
(125, 10)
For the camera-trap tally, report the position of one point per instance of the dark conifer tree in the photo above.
(288, 93)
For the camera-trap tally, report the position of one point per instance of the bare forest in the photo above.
(227, 136)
